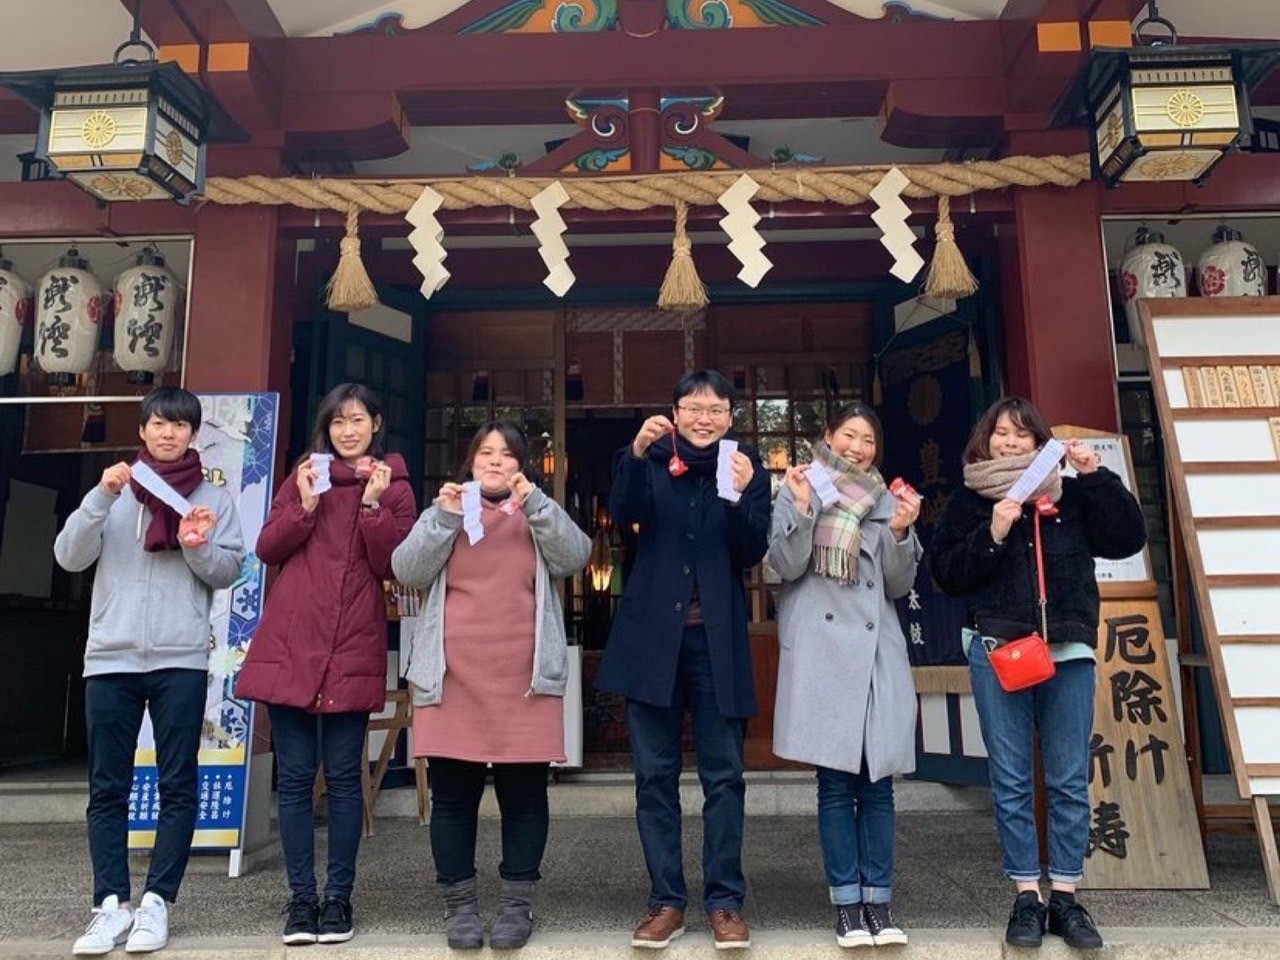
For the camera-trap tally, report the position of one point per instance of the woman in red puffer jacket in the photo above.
(319, 657)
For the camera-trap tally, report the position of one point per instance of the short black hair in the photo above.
(333, 403)
(515, 439)
(171, 403)
(700, 381)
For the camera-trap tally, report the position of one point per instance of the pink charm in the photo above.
(364, 467)
(509, 506)
(677, 466)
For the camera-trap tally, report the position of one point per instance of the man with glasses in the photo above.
(679, 642)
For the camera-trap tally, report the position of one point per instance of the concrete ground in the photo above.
(949, 895)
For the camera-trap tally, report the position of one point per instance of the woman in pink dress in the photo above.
(488, 664)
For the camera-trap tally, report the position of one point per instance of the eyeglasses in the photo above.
(697, 411)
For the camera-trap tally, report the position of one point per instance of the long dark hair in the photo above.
(856, 408)
(1024, 416)
(516, 442)
(333, 403)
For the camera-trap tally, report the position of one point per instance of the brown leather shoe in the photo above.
(659, 927)
(730, 930)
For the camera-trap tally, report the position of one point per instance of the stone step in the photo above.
(1182, 943)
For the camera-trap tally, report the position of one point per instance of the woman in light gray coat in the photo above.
(844, 547)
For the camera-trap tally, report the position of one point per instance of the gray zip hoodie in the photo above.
(150, 611)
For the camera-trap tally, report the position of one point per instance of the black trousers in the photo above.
(114, 703)
(456, 789)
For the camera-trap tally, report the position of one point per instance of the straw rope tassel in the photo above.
(350, 288)
(682, 288)
(949, 276)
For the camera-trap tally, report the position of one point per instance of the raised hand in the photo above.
(650, 430)
(115, 477)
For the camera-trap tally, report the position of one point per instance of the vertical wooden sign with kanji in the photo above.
(1143, 832)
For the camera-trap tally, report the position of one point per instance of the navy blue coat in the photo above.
(686, 532)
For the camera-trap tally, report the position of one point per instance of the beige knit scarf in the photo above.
(993, 478)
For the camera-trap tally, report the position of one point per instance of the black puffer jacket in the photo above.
(1097, 517)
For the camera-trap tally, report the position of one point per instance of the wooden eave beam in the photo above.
(668, 60)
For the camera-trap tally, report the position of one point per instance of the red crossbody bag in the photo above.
(1025, 662)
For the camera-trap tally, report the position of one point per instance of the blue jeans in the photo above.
(113, 705)
(719, 740)
(301, 740)
(1060, 711)
(855, 827)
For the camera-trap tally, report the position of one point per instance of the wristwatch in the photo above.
(369, 506)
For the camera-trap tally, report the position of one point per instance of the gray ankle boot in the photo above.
(514, 923)
(462, 926)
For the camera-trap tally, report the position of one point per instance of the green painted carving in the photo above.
(595, 161)
(718, 15)
(569, 16)
(695, 158)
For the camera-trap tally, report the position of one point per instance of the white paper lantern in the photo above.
(1231, 267)
(15, 311)
(146, 309)
(69, 306)
(1152, 268)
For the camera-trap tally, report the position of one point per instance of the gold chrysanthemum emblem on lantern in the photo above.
(1185, 108)
(98, 129)
(173, 148)
(1168, 167)
(109, 185)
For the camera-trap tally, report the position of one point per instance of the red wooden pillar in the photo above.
(234, 342)
(241, 328)
(1057, 315)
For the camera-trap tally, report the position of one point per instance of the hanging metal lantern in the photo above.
(1152, 268)
(15, 311)
(69, 305)
(132, 129)
(146, 310)
(1166, 112)
(1230, 267)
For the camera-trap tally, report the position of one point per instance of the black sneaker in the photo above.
(1026, 921)
(878, 918)
(1071, 921)
(851, 926)
(335, 921)
(303, 921)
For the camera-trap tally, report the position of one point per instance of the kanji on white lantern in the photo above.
(146, 308)
(1230, 267)
(69, 307)
(1152, 268)
(15, 311)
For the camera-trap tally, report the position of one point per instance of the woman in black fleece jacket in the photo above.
(984, 552)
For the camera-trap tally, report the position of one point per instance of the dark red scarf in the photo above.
(184, 476)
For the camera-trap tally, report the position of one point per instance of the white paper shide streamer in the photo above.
(426, 241)
(891, 217)
(549, 228)
(740, 224)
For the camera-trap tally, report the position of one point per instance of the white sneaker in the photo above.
(107, 930)
(150, 925)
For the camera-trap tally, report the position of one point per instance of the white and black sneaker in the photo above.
(878, 918)
(851, 926)
(335, 921)
(302, 923)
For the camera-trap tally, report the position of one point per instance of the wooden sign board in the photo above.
(1143, 832)
(1215, 367)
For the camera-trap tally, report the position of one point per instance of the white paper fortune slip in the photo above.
(724, 471)
(1043, 465)
(471, 512)
(320, 463)
(824, 487)
(154, 484)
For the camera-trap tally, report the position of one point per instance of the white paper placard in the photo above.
(151, 481)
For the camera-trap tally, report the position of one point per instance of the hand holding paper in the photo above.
(726, 485)
(471, 522)
(1045, 463)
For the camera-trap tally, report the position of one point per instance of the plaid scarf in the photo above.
(839, 529)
